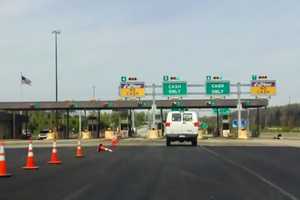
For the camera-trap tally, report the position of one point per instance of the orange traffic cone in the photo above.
(114, 142)
(79, 150)
(3, 172)
(102, 148)
(54, 158)
(30, 164)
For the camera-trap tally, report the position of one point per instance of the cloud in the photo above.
(18, 8)
(102, 40)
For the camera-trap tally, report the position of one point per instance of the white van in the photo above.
(181, 126)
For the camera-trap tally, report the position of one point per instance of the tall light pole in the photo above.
(56, 32)
(94, 92)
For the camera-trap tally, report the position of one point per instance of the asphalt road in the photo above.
(157, 172)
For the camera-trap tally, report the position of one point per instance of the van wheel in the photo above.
(194, 142)
(168, 141)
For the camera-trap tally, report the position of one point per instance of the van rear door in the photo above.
(190, 122)
(175, 122)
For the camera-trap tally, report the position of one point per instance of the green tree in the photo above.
(140, 119)
(115, 119)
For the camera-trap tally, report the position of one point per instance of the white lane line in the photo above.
(253, 173)
(76, 194)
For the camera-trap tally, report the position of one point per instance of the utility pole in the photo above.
(94, 92)
(56, 32)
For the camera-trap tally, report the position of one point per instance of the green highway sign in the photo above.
(222, 111)
(204, 125)
(174, 88)
(178, 106)
(217, 87)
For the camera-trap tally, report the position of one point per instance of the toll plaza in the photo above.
(171, 93)
(68, 106)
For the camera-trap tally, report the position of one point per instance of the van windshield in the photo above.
(176, 117)
(187, 117)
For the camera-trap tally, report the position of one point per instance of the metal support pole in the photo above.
(14, 125)
(85, 120)
(162, 121)
(26, 121)
(79, 123)
(68, 125)
(153, 126)
(94, 92)
(257, 122)
(132, 121)
(56, 32)
(129, 124)
(61, 126)
(98, 124)
(239, 106)
(56, 79)
(93, 127)
(248, 119)
(218, 122)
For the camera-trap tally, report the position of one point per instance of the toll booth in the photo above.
(158, 121)
(124, 128)
(92, 126)
(225, 126)
(11, 125)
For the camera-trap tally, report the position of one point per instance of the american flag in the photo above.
(25, 80)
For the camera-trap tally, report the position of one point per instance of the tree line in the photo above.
(273, 118)
(285, 117)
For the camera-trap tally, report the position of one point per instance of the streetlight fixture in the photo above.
(56, 32)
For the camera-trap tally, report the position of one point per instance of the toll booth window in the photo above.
(157, 117)
(187, 117)
(226, 126)
(176, 117)
(124, 126)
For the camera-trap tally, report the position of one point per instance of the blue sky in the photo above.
(102, 40)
